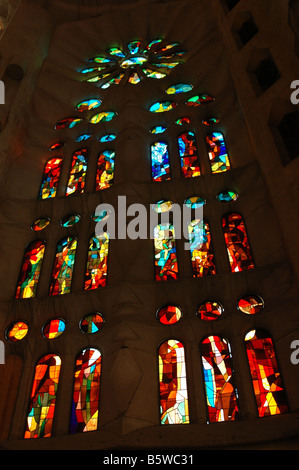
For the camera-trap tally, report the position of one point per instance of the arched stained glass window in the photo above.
(105, 170)
(174, 408)
(237, 243)
(96, 269)
(85, 403)
(43, 397)
(30, 271)
(63, 266)
(202, 256)
(266, 379)
(221, 396)
(166, 265)
(217, 151)
(160, 162)
(188, 151)
(50, 178)
(77, 176)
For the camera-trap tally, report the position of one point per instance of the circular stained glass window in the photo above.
(53, 328)
(40, 224)
(210, 311)
(92, 323)
(169, 314)
(17, 331)
(251, 304)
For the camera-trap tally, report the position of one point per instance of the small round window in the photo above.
(53, 328)
(250, 304)
(92, 323)
(210, 311)
(169, 314)
(17, 331)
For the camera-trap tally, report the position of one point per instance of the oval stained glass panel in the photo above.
(56, 146)
(40, 224)
(92, 323)
(250, 304)
(88, 105)
(158, 130)
(162, 106)
(211, 121)
(53, 328)
(17, 331)
(179, 88)
(210, 311)
(103, 117)
(183, 120)
(162, 206)
(199, 100)
(169, 314)
(107, 138)
(70, 220)
(194, 202)
(227, 196)
(68, 123)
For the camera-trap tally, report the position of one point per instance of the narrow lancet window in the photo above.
(237, 243)
(43, 397)
(174, 407)
(77, 176)
(50, 179)
(188, 151)
(266, 379)
(202, 256)
(217, 151)
(96, 269)
(85, 403)
(31, 269)
(166, 264)
(63, 266)
(221, 397)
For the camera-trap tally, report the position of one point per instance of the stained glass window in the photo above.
(166, 264)
(50, 178)
(77, 176)
(105, 170)
(92, 323)
(174, 408)
(209, 311)
(70, 220)
(221, 396)
(43, 397)
(85, 403)
(188, 152)
(237, 243)
(53, 328)
(17, 331)
(160, 162)
(63, 266)
(162, 106)
(250, 304)
(40, 224)
(133, 63)
(201, 252)
(266, 378)
(169, 314)
(227, 196)
(217, 151)
(31, 269)
(96, 269)
(68, 123)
